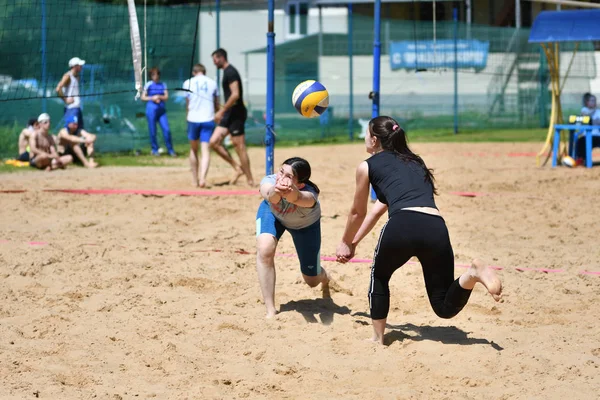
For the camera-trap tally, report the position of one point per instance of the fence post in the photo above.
(350, 73)
(455, 17)
(44, 66)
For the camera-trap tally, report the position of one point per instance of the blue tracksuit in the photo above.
(157, 113)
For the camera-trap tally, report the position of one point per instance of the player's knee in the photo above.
(265, 247)
(312, 281)
(444, 312)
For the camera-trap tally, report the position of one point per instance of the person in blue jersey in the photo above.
(201, 102)
(155, 93)
(405, 188)
(290, 202)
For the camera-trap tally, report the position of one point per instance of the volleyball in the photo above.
(310, 98)
(569, 161)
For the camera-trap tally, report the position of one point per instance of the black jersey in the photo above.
(399, 183)
(230, 75)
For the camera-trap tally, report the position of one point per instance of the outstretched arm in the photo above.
(358, 211)
(370, 221)
(270, 193)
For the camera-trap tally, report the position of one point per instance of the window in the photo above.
(297, 18)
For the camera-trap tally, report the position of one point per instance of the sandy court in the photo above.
(127, 297)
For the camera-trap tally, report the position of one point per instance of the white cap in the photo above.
(44, 117)
(76, 61)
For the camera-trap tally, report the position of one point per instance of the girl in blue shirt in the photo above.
(155, 94)
(290, 202)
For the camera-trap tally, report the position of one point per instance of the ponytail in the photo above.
(393, 138)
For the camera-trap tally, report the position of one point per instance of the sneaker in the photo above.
(173, 154)
(156, 153)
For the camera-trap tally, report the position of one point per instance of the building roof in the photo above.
(334, 44)
(566, 26)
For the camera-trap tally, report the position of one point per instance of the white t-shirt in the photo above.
(203, 91)
(72, 90)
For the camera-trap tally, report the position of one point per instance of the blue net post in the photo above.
(350, 74)
(218, 21)
(376, 67)
(270, 123)
(455, 18)
(44, 61)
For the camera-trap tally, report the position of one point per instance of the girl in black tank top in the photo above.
(405, 188)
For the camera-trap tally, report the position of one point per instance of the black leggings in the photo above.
(412, 233)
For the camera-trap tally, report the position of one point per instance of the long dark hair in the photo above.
(393, 138)
(301, 169)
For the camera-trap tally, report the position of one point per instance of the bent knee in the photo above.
(312, 281)
(445, 312)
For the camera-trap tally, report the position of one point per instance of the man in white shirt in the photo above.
(68, 90)
(201, 102)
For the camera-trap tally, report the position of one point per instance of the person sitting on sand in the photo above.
(77, 142)
(24, 136)
(43, 148)
(405, 187)
(290, 203)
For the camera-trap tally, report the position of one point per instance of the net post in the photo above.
(376, 67)
(136, 47)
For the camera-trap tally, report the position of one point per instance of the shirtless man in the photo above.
(32, 126)
(43, 149)
(77, 142)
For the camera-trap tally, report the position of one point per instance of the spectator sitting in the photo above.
(24, 136)
(43, 149)
(77, 142)
(589, 109)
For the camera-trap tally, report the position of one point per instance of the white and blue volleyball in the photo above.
(310, 98)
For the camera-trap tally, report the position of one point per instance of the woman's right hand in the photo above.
(344, 252)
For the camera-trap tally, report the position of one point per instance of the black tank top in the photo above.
(398, 183)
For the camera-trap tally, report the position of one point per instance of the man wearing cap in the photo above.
(43, 149)
(77, 142)
(68, 89)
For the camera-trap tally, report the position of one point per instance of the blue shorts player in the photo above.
(290, 203)
(201, 102)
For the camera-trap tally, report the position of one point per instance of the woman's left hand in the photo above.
(344, 252)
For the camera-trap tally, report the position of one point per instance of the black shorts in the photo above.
(69, 151)
(24, 156)
(235, 120)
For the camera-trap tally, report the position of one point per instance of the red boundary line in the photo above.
(158, 192)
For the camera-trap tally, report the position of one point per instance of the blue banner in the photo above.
(438, 54)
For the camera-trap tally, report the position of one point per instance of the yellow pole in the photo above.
(546, 149)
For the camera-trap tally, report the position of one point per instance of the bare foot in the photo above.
(271, 314)
(92, 164)
(236, 175)
(202, 185)
(195, 184)
(375, 339)
(487, 277)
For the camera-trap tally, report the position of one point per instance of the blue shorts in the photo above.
(200, 130)
(307, 241)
